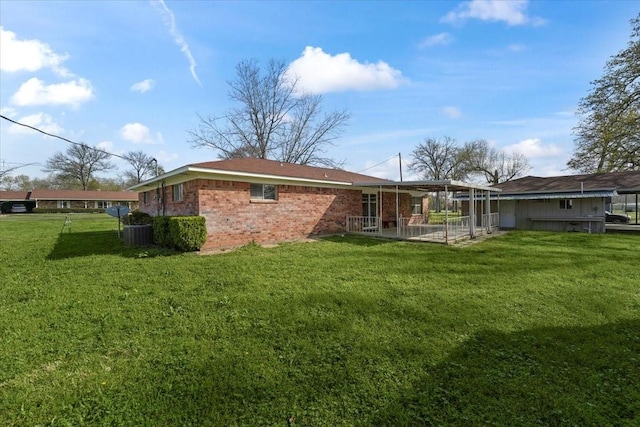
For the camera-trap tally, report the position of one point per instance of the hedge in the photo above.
(186, 233)
(161, 231)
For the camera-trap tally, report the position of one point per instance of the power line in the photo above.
(378, 164)
(65, 139)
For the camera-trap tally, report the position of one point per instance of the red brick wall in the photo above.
(389, 206)
(234, 219)
(187, 206)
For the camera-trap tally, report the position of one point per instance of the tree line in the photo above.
(77, 169)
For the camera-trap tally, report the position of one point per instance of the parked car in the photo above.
(615, 218)
(19, 208)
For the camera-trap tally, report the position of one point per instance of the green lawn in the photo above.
(527, 329)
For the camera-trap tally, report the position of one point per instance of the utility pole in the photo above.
(400, 164)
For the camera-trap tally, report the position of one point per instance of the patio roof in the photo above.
(429, 186)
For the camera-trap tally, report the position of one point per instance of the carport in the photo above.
(452, 228)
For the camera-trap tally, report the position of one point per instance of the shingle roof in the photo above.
(69, 195)
(622, 182)
(291, 170)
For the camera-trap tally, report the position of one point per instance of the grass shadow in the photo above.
(88, 243)
(585, 376)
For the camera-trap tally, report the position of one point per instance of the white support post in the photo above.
(472, 213)
(380, 212)
(488, 211)
(398, 211)
(446, 214)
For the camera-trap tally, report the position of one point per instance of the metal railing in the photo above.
(490, 221)
(450, 229)
(363, 224)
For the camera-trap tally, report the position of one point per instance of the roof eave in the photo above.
(189, 170)
(457, 185)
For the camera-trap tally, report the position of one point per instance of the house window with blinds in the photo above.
(566, 204)
(263, 192)
(177, 193)
(416, 205)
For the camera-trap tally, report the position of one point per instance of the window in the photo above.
(263, 192)
(64, 204)
(102, 204)
(416, 205)
(145, 197)
(369, 205)
(566, 204)
(177, 193)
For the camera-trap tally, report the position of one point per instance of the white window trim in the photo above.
(179, 189)
(262, 198)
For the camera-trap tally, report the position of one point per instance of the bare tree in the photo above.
(143, 166)
(5, 170)
(273, 120)
(80, 163)
(608, 133)
(15, 183)
(438, 159)
(494, 165)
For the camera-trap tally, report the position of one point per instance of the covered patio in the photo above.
(417, 227)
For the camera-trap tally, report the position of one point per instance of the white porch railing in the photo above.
(490, 221)
(363, 224)
(452, 229)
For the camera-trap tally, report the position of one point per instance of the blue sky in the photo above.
(133, 75)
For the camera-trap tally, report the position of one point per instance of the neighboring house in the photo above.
(562, 203)
(249, 199)
(70, 199)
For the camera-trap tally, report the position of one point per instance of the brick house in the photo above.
(245, 200)
(71, 199)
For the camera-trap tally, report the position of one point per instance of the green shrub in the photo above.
(137, 218)
(161, 235)
(187, 233)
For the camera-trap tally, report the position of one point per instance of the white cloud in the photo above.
(534, 148)
(452, 112)
(164, 157)
(143, 86)
(105, 146)
(437, 39)
(513, 12)
(170, 22)
(8, 112)
(319, 72)
(28, 55)
(140, 134)
(35, 92)
(40, 121)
